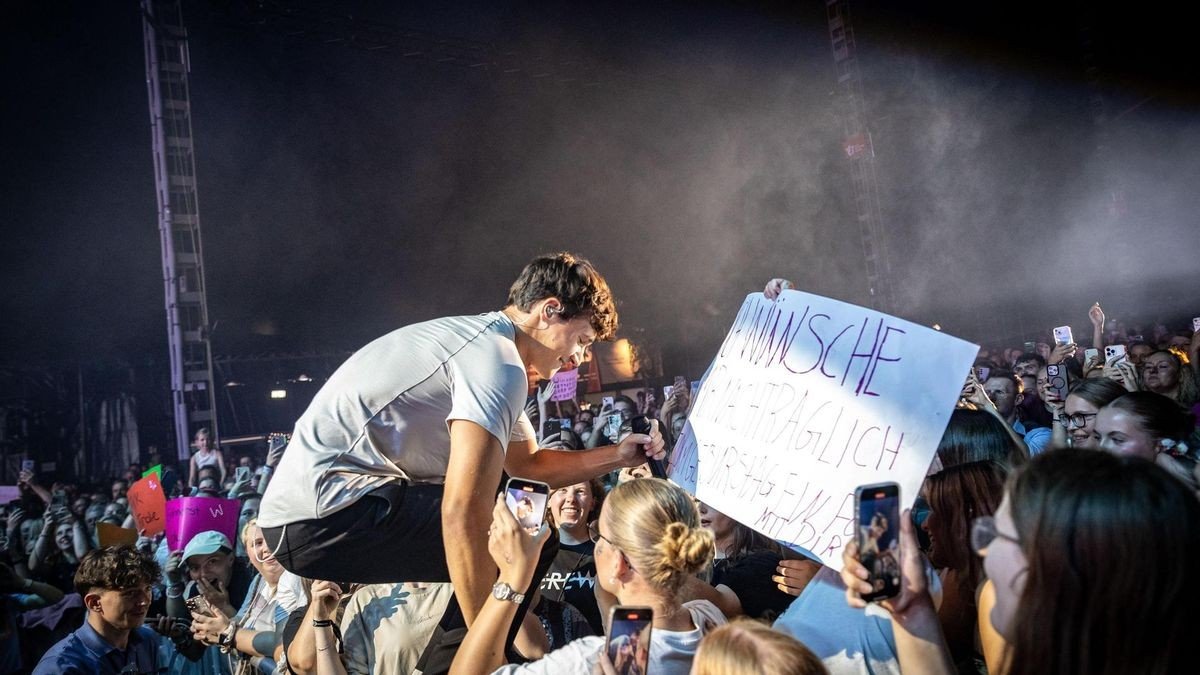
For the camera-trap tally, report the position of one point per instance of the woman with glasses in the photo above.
(1076, 424)
(648, 542)
(1092, 557)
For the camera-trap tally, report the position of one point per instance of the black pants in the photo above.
(393, 534)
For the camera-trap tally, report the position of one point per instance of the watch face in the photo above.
(501, 590)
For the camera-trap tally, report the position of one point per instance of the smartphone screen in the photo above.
(1030, 347)
(242, 473)
(667, 391)
(1196, 324)
(877, 509)
(27, 465)
(1059, 380)
(629, 639)
(565, 423)
(612, 428)
(527, 501)
(1062, 335)
(1090, 354)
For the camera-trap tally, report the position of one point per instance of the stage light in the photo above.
(279, 393)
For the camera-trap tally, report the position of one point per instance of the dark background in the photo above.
(690, 150)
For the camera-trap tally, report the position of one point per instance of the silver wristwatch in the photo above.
(502, 591)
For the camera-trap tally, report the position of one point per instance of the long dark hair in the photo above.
(976, 436)
(1111, 548)
(957, 496)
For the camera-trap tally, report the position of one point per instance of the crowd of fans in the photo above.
(1054, 533)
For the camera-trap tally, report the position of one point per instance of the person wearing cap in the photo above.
(212, 572)
(115, 584)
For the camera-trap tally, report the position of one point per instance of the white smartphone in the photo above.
(1114, 353)
(1090, 354)
(1062, 335)
(1196, 324)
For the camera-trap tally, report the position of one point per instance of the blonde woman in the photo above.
(750, 647)
(648, 542)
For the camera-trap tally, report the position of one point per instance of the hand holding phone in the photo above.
(877, 516)
(242, 474)
(1059, 380)
(526, 499)
(1062, 335)
(628, 641)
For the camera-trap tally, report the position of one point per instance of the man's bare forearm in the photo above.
(560, 468)
(472, 571)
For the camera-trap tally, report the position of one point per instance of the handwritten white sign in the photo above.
(809, 398)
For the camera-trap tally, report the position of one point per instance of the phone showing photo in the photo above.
(527, 501)
(242, 473)
(565, 423)
(1090, 354)
(667, 391)
(27, 465)
(628, 644)
(1060, 381)
(1030, 347)
(877, 512)
(1114, 353)
(1062, 335)
(1196, 324)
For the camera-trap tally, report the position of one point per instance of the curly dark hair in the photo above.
(115, 568)
(576, 284)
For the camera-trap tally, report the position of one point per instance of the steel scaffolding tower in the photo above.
(861, 153)
(166, 48)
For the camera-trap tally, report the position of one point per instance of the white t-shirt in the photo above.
(386, 626)
(671, 652)
(383, 415)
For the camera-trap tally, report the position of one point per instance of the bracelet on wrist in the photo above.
(322, 623)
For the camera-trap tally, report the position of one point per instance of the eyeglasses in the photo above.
(594, 533)
(595, 536)
(984, 532)
(1157, 367)
(1077, 420)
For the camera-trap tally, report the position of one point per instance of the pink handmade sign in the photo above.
(565, 382)
(189, 516)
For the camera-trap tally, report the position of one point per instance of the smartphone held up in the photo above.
(628, 642)
(877, 515)
(526, 499)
